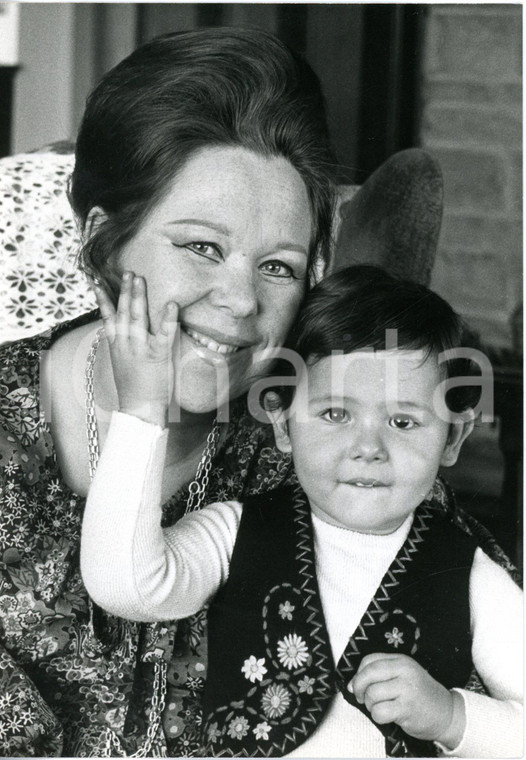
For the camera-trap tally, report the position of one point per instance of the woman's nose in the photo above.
(236, 291)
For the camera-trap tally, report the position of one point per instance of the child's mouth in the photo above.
(366, 483)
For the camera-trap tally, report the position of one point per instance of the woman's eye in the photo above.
(400, 422)
(203, 249)
(277, 269)
(335, 415)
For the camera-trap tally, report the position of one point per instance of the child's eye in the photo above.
(401, 422)
(335, 415)
(276, 268)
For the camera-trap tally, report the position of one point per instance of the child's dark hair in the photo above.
(352, 309)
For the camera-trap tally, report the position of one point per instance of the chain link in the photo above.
(198, 487)
(154, 744)
(91, 417)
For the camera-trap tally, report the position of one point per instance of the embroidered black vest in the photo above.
(271, 675)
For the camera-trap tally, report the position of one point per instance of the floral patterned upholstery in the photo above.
(393, 221)
(40, 284)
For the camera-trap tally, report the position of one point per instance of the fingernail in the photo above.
(126, 276)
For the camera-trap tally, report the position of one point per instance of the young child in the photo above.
(347, 615)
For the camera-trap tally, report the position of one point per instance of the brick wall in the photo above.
(471, 123)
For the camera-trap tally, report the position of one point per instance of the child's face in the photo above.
(367, 453)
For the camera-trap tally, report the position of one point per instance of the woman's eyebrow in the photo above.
(281, 246)
(203, 223)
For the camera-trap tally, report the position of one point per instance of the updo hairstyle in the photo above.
(178, 94)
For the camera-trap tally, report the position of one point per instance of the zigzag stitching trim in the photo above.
(305, 555)
(390, 581)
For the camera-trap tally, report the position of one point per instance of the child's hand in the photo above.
(142, 362)
(395, 688)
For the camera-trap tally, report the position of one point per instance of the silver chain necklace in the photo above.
(154, 745)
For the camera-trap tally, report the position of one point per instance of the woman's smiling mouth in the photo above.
(214, 340)
(212, 345)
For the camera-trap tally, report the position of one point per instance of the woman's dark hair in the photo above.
(183, 92)
(352, 309)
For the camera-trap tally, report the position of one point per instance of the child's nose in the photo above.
(368, 446)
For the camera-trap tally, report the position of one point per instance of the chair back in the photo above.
(393, 220)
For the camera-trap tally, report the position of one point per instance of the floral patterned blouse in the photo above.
(73, 680)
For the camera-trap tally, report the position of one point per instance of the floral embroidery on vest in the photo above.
(68, 687)
(395, 622)
(289, 678)
(285, 689)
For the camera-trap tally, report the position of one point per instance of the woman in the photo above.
(202, 166)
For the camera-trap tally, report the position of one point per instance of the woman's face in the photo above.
(229, 243)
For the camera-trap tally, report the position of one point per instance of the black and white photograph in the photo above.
(261, 396)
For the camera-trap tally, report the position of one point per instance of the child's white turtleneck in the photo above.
(350, 567)
(135, 569)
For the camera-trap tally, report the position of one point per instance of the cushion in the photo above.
(40, 284)
(393, 220)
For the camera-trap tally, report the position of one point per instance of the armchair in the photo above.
(393, 220)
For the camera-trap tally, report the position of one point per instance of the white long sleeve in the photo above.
(136, 570)
(130, 565)
(494, 724)
(350, 567)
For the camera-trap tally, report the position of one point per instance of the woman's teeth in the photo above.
(212, 345)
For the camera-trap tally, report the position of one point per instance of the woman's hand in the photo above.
(396, 689)
(142, 361)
